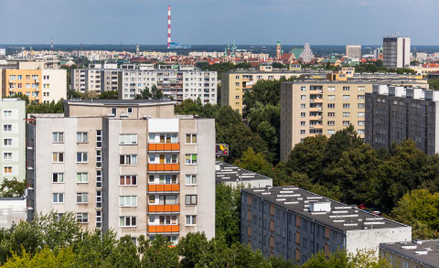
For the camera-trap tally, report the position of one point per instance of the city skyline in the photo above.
(214, 22)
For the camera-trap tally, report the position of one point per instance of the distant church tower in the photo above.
(278, 50)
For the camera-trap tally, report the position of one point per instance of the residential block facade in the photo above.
(294, 224)
(130, 166)
(13, 141)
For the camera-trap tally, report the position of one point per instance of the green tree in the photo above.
(157, 94)
(109, 94)
(42, 108)
(264, 91)
(12, 188)
(125, 254)
(95, 249)
(434, 84)
(255, 162)
(145, 94)
(157, 253)
(44, 258)
(419, 209)
(192, 248)
(227, 213)
(73, 94)
(278, 65)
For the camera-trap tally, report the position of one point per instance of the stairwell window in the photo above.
(191, 159)
(128, 180)
(191, 179)
(191, 200)
(128, 159)
(191, 138)
(128, 201)
(127, 221)
(191, 220)
(128, 139)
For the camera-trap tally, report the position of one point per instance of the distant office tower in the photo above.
(394, 114)
(396, 51)
(353, 52)
(13, 143)
(307, 56)
(130, 166)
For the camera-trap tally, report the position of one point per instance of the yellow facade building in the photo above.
(22, 82)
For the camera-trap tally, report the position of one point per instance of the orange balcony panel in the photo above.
(164, 146)
(164, 187)
(164, 208)
(163, 228)
(163, 167)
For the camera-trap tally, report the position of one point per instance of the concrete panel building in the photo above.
(397, 113)
(416, 254)
(353, 52)
(13, 141)
(292, 223)
(322, 107)
(238, 177)
(396, 51)
(130, 166)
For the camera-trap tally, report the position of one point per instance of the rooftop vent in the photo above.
(320, 206)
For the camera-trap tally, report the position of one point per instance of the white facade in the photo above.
(54, 85)
(353, 52)
(12, 133)
(396, 52)
(12, 210)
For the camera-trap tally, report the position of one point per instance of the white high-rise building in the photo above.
(353, 52)
(396, 51)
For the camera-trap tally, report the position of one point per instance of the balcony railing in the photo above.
(164, 187)
(164, 147)
(163, 209)
(163, 228)
(163, 167)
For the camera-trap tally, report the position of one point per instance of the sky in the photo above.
(204, 22)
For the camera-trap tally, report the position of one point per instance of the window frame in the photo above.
(82, 173)
(81, 156)
(58, 154)
(191, 159)
(123, 220)
(82, 195)
(82, 217)
(58, 135)
(58, 177)
(192, 219)
(58, 198)
(124, 178)
(190, 178)
(191, 203)
(191, 137)
(80, 137)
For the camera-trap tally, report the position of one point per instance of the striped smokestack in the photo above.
(169, 27)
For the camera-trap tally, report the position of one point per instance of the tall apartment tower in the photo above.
(396, 51)
(394, 114)
(353, 52)
(130, 166)
(13, 142)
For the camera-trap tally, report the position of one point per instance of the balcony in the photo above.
(315, 109)
(163, 167)
(168, 188)
(315, 117)
(163, 228)
(164, 147)
(154, 209)
(316, 100)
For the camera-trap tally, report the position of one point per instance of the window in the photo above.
(81, 157)
(303, 97)
(361, 105)
(346, 97)
(128, 139)
(127, 222)
(130, 110)
(346, 114)
(128, 159)
(361, 88)
(302, 123)
(331, 105)
(346, 106)
(191, 159)
(191, 220)
(113, 111)
(302, 88)
(163, 138)
(302, 132)
(7, 128)
(332, 89)
(58, 177)
(81, 197)
(302, 114)
(346, 123)
(331, 131)
(346, 88)
(58, 157)
(360, 97)
(128, 201)
(7, 142)
(331, 114)
(191, 138)
(331, 123)
(191, 179)
(82, 137)
(58, 198)
(191, 199)
(331, 97)
(82, 177)
(7, 170)
(360, 114)
(361, 123)
(7, 114)
(128, 180)
(82, 217)
(303, 106)
(58, 137)
(7, 156)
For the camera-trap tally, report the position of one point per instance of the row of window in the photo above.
(190, 200)
(332, 88)
(332, 97)
(332, 114)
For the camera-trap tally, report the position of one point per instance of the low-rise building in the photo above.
(131, 166)
(238, 177)
(397, 113)
(416, 254)
(12, 211)
(295, 224)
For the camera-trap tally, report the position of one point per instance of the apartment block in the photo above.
(397, 113)
(295, 224)
(396, 51)
(131, 166)
(39, 85)
(353, 52)
(13, 142)
(235, 84)
(233, 176)
(412, 254)
(96, 78)
(322, 107)
(183, 83)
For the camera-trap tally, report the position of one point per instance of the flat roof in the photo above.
(359, 81)
(424, 252)
(341, 216)
(120, 102)
(226, 172)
